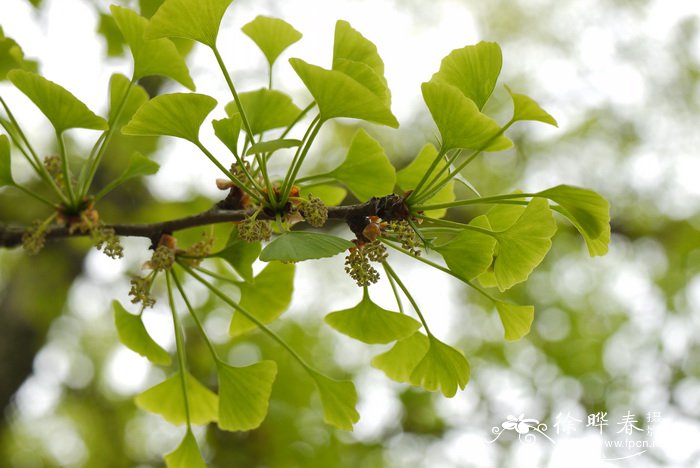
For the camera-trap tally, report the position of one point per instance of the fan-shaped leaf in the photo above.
(587, 211)
(265, 298)
(198, 20)
(186, 455)
(178, 114)
(398, 363)
(227, 130)
(525, 108)
(118, 86)
(63, 110)
(272, 35)
(469, 253)
(516, 319)
(473, 70)
(240, 254)
(297, 246)
(339, 398)
(329, 194)
(272, 146)
(132, 333)
(522, 246)
(166, 399)
(12, 57)
(459, 120)
(366, 170)
(409, 176)
(372, 324)
(442, 368)
(139, 165)
(265, 109)
(244, 393)
(151, 57)
(339, 95)
(5, 162)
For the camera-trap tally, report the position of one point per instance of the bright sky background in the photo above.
(70, 54)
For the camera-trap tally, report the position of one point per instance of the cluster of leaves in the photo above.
(497, 249)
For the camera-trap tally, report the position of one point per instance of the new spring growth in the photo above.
(163, 257)
(406, 235)
(141, 291)
(34, 238)
(314, 211)
(104, 238)
(357, 263)
(253, 230)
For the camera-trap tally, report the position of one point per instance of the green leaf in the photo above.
(178, 114)
(297, 246)
(473, 70)
(244, 393)
(524, 245)
(272, 146)
(186, 455)
(139, 165)
(12, 57)
(339, 398)
(587, 211)
(118, 85)
(372, 324)
(108, 29)
(265, 109)
(459, 120)
(5, 162)
(398, 363)
(151, 57)
(339, 95)
(502, 216)
(198, 20)
(166, 399)
(525, 108)
(468, 254)
(272, 35)
(409, 176)
(330, 195)
(240, 254)
(442, 368)
(63, 110)
(366, 170)
(350, 45)
(227, 130)
(516, 319)
(265, 298)
(132, 333)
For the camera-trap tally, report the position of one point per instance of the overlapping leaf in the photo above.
(372, 324)
(339, 398)
(198, 20)
(227, 130)
(265, 109)
(366, 170)
(297, 246)
(409, 176)
(523, 245)
(265, 298)
(118, 86)
(441, 368)
(63, 110)
(132, 333)
(473, 70)
(271, 146)
(151, 57)
(186, 455)
(398, 363)
(516, 319)
(470, 253)
(12, 57)
(167, 400)
(459, 120)
(5, 162)
(244, 393)
(178, 114)
(138, 166)
(587, 211)
(240, 254)
(329, 194)
(272, 35)
(526, 108)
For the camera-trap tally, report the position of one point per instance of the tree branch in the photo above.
(388, 207)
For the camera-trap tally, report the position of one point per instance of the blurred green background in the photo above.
(615, 334)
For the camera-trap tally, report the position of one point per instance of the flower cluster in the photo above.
(54, 167)
(106, 240)
(406, 235)
(34, 238)
(357, 263)
(253, 230)
(199, 250)
(140, 291)
(314, 211)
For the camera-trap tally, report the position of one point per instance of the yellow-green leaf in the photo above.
(166, 399)
(409, 176)
(63, 110)
(366, 170)
(271, 146)
(12, 57)
(469, 253)
(132, 333)
(198, 20)
(240, 254)
(330, 195)
(349, 44)
(5, 162)
(398, 363)
(227, 130)
(473, 70)
(459, 120)
(587, 211)
(297, 246)
(265, 109)
(339, 398)
(526, 108)
(186, 455)
(265, 298)
(151, 57)
(516, 319)
(118, 86)
(442, 368)
(524, 245)
(272, 35)
(244, 393)
(372, 324)
(178, 114)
